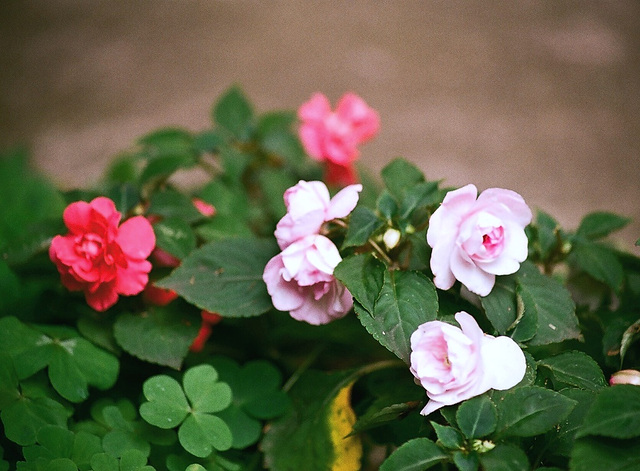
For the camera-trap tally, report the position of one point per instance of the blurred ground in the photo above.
(542, 97)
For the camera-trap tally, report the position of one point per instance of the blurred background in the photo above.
(541, 97)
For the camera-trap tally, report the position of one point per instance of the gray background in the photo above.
(542, 97)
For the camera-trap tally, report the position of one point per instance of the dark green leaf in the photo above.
(387, 205)
(173, 204)
(448, 437)
(532, 410)
(160, 335)
(167, 141)
(163, 167)
(600, 224)
(222, 227)
(547, 229)
(600, 453)
(575, 369)
(23, 418)
(504, 457)
(363, 223)
(175, 236)
(615, 413)
(417, 196)
(225, 277)
(526, 325)
(363, 275)
(562, 438)
(167, 405)
(415, 455)
(599, 261)
(407, 299)
(233, 112)
(629, 336)
(477, 417)
(208, 141)
(200, 434)
(204, 391)
(399, 175)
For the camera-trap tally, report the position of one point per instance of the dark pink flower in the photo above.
(100, 258)
(334, 136)
(158, 296)
(205, 208)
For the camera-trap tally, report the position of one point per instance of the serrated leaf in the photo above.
(363, 223)
(415, 455)
(160, 335)
(448, 437)
(547, 228)
(531, 410)
(477, 417)
(225, 276)
(363, 275)
(562, 438)
(386, 205)
(575, 369)
(234, 113)
(600, 224)
(407, 299)
(599, 261)
(174, 235)
(504, 457)
(615, 412)
(398, 175)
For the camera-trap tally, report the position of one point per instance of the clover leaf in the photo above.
(190, 407)
(73, 363)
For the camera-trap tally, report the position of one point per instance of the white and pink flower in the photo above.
(309, 206)
(300, 280)
(473, 240)
(454, 364)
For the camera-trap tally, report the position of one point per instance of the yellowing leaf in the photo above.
(347, 449)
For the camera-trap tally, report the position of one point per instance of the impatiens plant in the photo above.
(288, 313)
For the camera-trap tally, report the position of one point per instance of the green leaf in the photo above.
(466, 461)
(615, 413)
(600, 224)
(161, 168)
(399, 175)
(562, 438)
(74, 363)
(477, 417)
(542, 295)
(547, 230)
(166, 405)
(24, 418)
(448, 437)
(575, 369)
(200, 434)
(363, 275)
(160, 335)
(208, 141)
(415, 455)
(387, 205)
(407, 299)
(234, 113)
(363, 223)
(174, 235)
(629, 336)
(531, 410)
(204, 391)
(222, 227)
(599, 261)
(504, 457)
(591, 453)
(225, 276)
(418, 196)
(167, 141)
(170, 203)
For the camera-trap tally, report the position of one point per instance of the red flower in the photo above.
(100, 258)
(209, 319)
(158, 296)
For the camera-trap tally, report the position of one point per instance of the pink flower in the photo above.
(205, 208)
(455, 364)
(300, 280)
(100, 258)
(308, 207)
(334, 136)
(158, 296)
(475, 240)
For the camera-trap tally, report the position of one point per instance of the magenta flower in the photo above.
(334, 136)
(309, 206)
(300, 280)
(474, 240)
(100, 258)
(454, 364)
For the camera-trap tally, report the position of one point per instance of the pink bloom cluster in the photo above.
(454, 364)
(100, 258)
(333, 137)
(300, 278)
(474, 240)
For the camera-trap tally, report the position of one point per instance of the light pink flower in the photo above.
(309, 206)
(625, 377)
(474, 240)
(100, 258)
(334, 136)
(300, 280)
(454, 364)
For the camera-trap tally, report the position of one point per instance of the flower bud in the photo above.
(625, 377)
(391, 238)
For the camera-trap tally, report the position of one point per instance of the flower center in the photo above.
(90, 246)
(492, 242)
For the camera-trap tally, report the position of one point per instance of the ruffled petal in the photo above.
(343, 202)
(136, 238)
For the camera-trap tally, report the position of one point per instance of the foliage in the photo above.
(127, 390)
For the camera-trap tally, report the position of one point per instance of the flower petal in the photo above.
(343, 202)
(136, 238)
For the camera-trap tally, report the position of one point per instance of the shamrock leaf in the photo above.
(73, 362)
(256, 395)
(190, 407)
(131, 460)
(59, 445)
